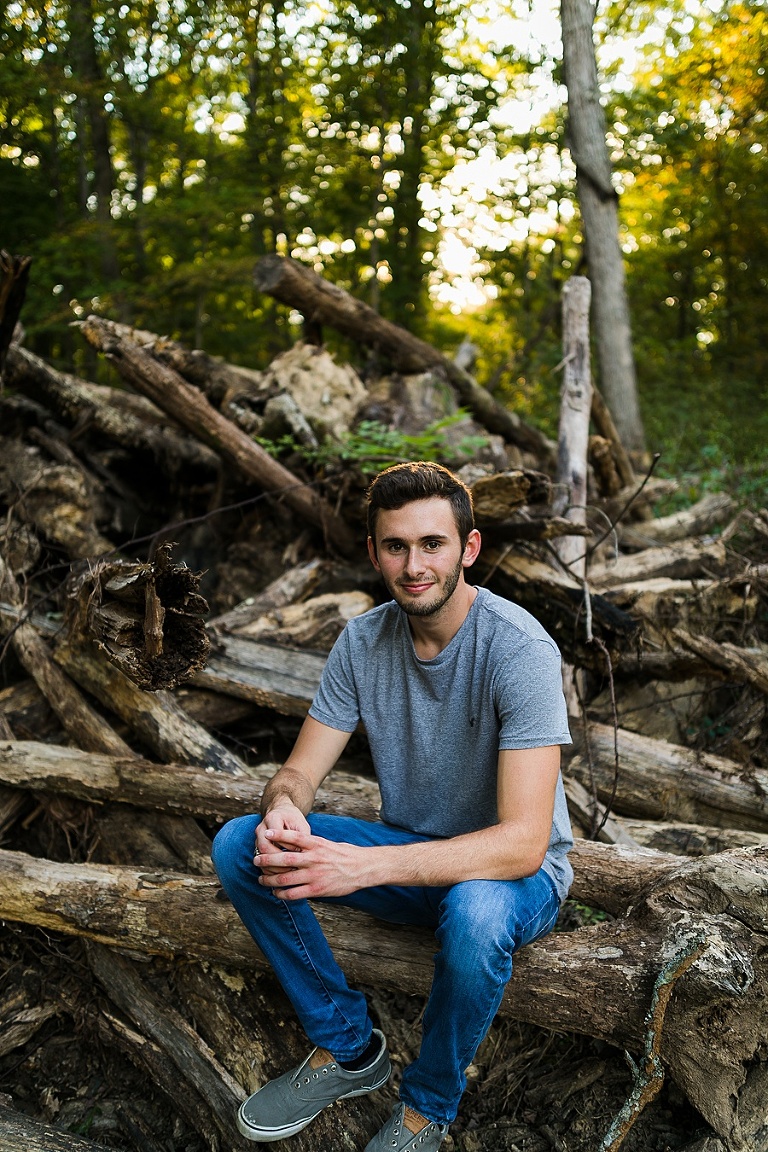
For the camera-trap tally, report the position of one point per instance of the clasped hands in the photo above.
(297, 865)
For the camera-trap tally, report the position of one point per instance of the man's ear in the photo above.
(372, 554)
(471, 549)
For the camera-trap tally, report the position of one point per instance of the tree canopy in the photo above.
(413, 151)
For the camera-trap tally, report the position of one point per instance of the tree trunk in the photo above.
(598, 201)
(575, 404)
(14, 273)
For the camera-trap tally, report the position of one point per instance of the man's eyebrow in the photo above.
(426, 536)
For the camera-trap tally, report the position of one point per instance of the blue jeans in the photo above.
(478, 924)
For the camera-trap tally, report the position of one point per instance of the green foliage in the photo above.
(349, 135)
(372, 446)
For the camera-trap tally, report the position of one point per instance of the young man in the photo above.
(461, 698)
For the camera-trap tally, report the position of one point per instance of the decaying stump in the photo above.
(146, 618)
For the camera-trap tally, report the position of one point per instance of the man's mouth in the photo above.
(416, 588)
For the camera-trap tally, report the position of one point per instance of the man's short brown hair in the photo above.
(420, 480)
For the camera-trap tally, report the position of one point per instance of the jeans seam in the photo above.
(312, 967)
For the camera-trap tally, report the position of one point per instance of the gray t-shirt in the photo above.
(435, 727)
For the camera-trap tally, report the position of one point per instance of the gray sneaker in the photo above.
(286, 1105)
(395, 1137)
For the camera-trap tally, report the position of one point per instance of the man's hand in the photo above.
(285, 817)
(307, 866)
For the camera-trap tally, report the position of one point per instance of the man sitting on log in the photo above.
(460, 694)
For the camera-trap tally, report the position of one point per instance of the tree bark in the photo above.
(701, 558)
(192, 411)
(662, 781)
(119, 417)
(598, 201)
(14, 274)
(19, 1133)
(323, 303)
(597, 980)
(155, 717)
(573, 439)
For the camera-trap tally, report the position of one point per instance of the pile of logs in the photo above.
(125, 698)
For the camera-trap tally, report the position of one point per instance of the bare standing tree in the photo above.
(599, 210)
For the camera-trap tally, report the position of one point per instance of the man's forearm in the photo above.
(502, 852)
(290, 786)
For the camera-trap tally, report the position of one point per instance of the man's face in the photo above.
(419, 555)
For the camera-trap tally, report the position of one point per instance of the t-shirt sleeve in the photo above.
(530, 699)
(336, 702)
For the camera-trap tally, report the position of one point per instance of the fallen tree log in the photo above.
(321, 303)
(663, 603)
(156, 717)
(173, 788)
(76, 715)
(20, 1133)
(715, 1026)
(690, 839)
(290, 587)
(314, 624)
(662, 781)
(496, 497)
(117, 417)
(192, 411)
(700, 518)
(689, 559)
(57, 500)
(267, 675)
(560, 604)
(211, 1097)
(739, 664)
(251, 1027)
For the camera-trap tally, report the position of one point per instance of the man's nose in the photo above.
(415, 562)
